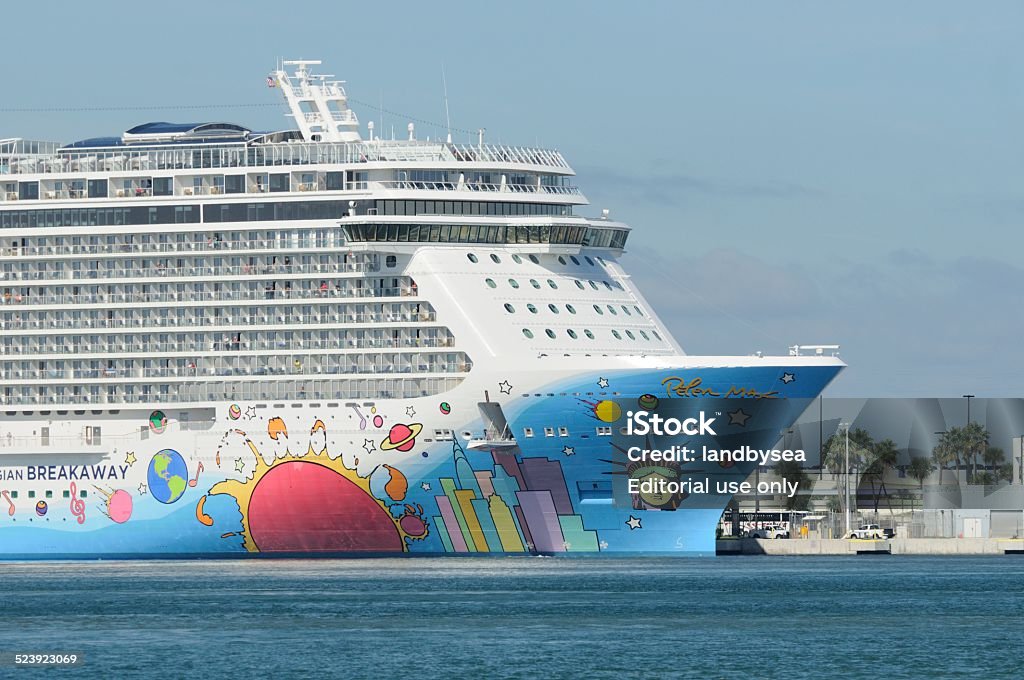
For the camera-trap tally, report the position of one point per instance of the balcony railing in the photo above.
(150, 158)
(186, 272)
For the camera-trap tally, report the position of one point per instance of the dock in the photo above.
(891, 546)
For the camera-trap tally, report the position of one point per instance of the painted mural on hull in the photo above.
(535, 473)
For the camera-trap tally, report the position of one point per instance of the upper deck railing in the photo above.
(50, 158)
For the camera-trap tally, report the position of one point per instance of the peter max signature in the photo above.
(693, 388)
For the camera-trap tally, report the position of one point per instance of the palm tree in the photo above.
(835, 453)
(993, 457)
(943, 454)
(883, 458)
(951, 447)
(920, 468)
(974, 442)
(794, 473)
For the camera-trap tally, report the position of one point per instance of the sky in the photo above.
(794, 173)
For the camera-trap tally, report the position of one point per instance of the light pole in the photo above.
(846, 427)
(968, 397)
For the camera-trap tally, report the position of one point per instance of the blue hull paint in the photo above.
(441, 497)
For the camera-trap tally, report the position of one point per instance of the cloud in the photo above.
(668, 187)
(908, 325)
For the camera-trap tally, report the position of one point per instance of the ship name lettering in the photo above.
(55, 473)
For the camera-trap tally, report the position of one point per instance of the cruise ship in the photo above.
(316, 341)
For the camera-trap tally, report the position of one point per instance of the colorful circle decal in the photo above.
(607, 411)
(167, 476)
(401, 437)
(647, 402)
(378, 421)
(331, 514)
(445, 408)
(119, 506)
(235, 412)
(157, 422)
(41, 508)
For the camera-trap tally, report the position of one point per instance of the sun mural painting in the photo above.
(313, 503)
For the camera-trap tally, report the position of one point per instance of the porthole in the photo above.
(535, 283)
(626, 310)
(509, 308)
(572, 333)
(491, 283)
(553, 308)
(570, 309)
(617, 336)
(472, 258)
(561, 260)
(638, 310)
(513, 283)
(517, 259)
(655, 334)
(495, 259)
(533, 310)
(586, 332)
(528, 333)
(390, 261)
(607, 285)
(589, 261)
(612, 310)
(550, 333)
(644, 335)
(552, 284)
(533, 259)
(597, 308)
(579, 284)
(629, 334)
(574, 260)
(592, 285)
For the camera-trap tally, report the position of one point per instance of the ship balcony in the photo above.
(189, 272)
(63, 446)
(464, 186)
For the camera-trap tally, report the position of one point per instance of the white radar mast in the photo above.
(318, 105)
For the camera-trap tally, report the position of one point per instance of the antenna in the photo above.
(447, 117)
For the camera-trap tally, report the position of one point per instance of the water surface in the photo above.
(525, 617)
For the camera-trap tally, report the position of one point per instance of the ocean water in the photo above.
(527, 617)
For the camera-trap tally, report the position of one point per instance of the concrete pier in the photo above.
(893, 546)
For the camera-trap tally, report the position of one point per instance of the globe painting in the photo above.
(168, 476)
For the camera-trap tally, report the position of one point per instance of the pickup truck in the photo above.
(768, 533)
(868, 531)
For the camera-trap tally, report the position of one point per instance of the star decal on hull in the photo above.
(602, 382)
(739, 417)
(788, 378)
(129, 458)
(410, 411)
(369, 446)
(142, 489)
(505, 387)
(634, 523)
(250, 413)
(569, 450)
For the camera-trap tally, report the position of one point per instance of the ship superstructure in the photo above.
(200, 315)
